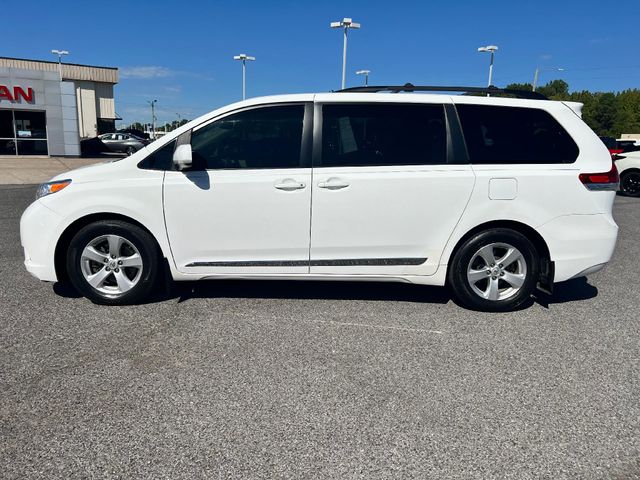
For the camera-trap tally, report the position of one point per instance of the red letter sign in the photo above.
(19, 92)
(5, 93)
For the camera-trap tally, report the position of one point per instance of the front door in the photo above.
(244, 207)
(387, 189)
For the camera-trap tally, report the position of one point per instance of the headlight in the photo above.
(51, 187)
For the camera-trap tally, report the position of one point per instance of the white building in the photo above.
(47, 108)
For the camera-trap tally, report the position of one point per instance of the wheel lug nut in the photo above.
(119, 262)
(500, 265)
(117, 270)
(493, 265)
(106, 260)
(107, 269)
(488, 272)
(113, 256)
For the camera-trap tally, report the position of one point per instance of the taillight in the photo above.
(601, 181)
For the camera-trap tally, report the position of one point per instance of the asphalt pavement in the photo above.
(319, 380)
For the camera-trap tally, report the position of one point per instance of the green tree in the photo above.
(555, 90)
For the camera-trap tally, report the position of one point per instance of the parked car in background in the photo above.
(627, 145)
(123, 142)
(612, 145)
(135, 132)
(629, 168)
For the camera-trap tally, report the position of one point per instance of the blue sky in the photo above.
(180, 53)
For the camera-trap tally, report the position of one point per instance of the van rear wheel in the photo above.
(494, 270)
(113, 262)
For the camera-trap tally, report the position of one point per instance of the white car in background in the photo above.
(628, 165)
(494, 197)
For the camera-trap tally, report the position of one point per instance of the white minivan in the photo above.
(492, 196)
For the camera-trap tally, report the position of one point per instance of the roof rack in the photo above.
(408, 87)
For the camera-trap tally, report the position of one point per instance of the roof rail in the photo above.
(408, 87)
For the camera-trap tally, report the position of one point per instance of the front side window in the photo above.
(267, 137)
(502, 135)
(383, 134)
(161, 159)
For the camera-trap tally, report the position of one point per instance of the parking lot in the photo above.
(319, 380)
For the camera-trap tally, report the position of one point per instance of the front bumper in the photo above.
(40, 228)
(579, 244)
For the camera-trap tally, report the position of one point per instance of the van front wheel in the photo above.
(113, 262)
(494, 270)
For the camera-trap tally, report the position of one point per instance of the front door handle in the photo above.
(333, 184)
(290, 185)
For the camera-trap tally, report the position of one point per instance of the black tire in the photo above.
(495, 240)
(130, 151)
(630, 183)
(135, 238)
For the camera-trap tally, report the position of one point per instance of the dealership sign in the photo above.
(16, 94)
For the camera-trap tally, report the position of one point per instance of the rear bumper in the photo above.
(579, 244)
(39, 228)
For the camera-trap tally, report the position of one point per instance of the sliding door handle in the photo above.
(333, 184)
(289, 186)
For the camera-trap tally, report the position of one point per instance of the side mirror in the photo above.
(183, 155)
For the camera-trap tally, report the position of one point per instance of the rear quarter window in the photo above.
(514, 135)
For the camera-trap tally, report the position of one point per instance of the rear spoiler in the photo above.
(576, 107)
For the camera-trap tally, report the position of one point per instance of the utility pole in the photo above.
(244, 57)
(345, 24)
(153, 117)
(536, 75)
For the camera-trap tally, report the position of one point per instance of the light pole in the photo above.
(491, 49)
(153, 117)
(60, 53)
(537, 74)
(179, 119)
(366, 76)
(244, 57)
(345, 24)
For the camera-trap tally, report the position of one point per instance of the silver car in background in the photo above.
(123, 142)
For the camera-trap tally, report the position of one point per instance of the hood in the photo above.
(102, 171)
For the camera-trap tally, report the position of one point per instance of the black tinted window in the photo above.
(268, 137)
(383, 134)
(514, 135)
(161, 159)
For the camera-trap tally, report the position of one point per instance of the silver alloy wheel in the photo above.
(497, 271)
(111, 264)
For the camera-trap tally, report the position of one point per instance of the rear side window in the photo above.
(514, 135)
(161, 159)
(267, 137)
(383, 134)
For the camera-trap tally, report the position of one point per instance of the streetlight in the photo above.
(537, 74)
(366, 75)
(60, 53)
(345, 24)
(153, 117)
(244, 57)
(179, 120)
(491, 49)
